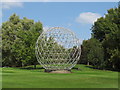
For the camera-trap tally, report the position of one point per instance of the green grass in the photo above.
(86, 78)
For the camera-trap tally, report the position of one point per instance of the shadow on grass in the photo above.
(32, 68)
(77, 68)
(109, 69)
(91, 67)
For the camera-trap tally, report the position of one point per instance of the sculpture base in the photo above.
(57, 71)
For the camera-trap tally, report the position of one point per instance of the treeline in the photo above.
(103, 49)
(18, 41)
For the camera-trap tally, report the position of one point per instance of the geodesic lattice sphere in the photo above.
(58, 48)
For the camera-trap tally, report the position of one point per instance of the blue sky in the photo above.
(77, 16)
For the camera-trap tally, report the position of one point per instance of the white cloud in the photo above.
(12, 0)
(64, 0)
(7, 4)
(87, 18)
(29, 0)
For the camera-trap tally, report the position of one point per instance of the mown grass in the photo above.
(37, 78)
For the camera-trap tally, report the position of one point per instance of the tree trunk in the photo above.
(113, 66)
(22, 64)
(34, 66)
(88, 63)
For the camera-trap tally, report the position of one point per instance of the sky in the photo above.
(76, 16)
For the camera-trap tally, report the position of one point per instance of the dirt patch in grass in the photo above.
(60, 71)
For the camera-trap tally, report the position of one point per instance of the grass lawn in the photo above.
(85, 78)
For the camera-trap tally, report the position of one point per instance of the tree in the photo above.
(92, 53)
(18, 39)
(95, 54)
(85, 49)
(107, 31)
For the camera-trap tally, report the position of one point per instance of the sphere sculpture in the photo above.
(58, 49)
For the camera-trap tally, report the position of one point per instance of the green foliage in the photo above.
(92, 53)
(107, 31)
(18, 39)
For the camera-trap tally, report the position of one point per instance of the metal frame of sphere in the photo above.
(58, 49)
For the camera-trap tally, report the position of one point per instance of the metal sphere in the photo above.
(58, 49)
